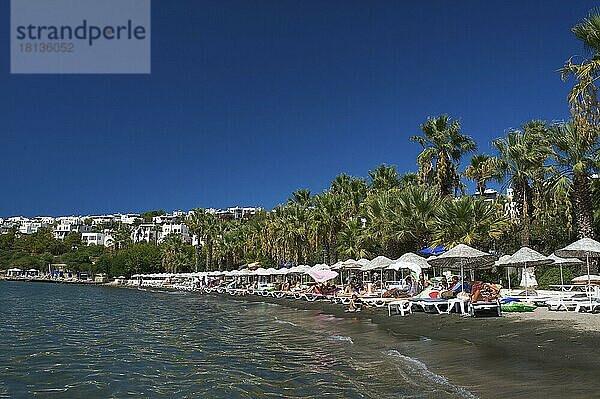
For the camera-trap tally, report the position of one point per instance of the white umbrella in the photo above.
(525, 257)
(564, 262)
(320, 266)
(585, 278)
(380, 262)
(337, 265)
(464, 256)
(584, 248)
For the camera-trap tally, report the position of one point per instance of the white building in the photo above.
(101, 219)
(45, 220)
(161, 219)
(129, 218)
(179, 229)
(72, 220)
(93, 238)
(145, 232)
(29, 227)
(62, 230)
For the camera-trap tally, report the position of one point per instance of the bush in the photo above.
(551, 275)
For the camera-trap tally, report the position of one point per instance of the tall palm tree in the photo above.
(583, 97)
(301, 197)
(328, 216)
(194, 222)
(443, 147)
(204, 225)
(577, 158)
(122, 237)
(384, 177)
(171, 253)
(470, 221)
(521, 162)
(481, 170)
(351, 241)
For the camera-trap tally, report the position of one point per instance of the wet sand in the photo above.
(551, 347)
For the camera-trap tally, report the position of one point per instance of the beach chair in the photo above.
(432, 305)
(401, 306)
(486, 301)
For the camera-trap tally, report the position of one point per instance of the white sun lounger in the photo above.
(475, 307)
(401, 306)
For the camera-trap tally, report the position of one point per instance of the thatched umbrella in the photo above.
(564, 262)
(584, 248)
(410, 261)
(464, 256)
(526, 257)
(379, 262)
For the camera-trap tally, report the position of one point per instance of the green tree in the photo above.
(443, 148)
(469, 221)
(521, 163)
(577, 159)
(481, 170)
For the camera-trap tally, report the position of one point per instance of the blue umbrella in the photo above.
(433, 251)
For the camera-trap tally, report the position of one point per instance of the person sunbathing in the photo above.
(484, 292)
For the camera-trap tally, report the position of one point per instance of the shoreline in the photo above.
(553, 343)
(500, 353)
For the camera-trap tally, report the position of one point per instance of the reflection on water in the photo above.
(78, 341)
(93, 342)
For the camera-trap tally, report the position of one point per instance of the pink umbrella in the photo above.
(320, 276)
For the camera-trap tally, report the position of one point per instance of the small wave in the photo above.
(418, 366)
(340, 338)
(285, 322)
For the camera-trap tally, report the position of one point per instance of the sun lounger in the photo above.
(493, 307)
(377, 302)
(434, 305)
(574, 304)
(401, 306)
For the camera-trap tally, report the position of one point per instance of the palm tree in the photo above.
(351, 241)
(384, 177)
(583, 97)
(301, 197)
(171, 253)
(328, 217)
(469, 221)
(443, 147)
(195, 224)
(577, 159)
(480, 170)
(204, 225)
(521, 162)
(122, 237)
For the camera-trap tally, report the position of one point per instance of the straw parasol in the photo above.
(380, 262)
(584, 279)
(584, 248)
(410, 261)
(525, 257)
(564, 262)
(464, 256)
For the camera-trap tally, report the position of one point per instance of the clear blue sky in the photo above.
(250, 100)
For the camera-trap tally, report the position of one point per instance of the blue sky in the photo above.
(250, 100)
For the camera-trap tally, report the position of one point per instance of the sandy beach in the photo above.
(545, 340)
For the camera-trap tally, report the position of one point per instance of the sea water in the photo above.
(90, 342)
